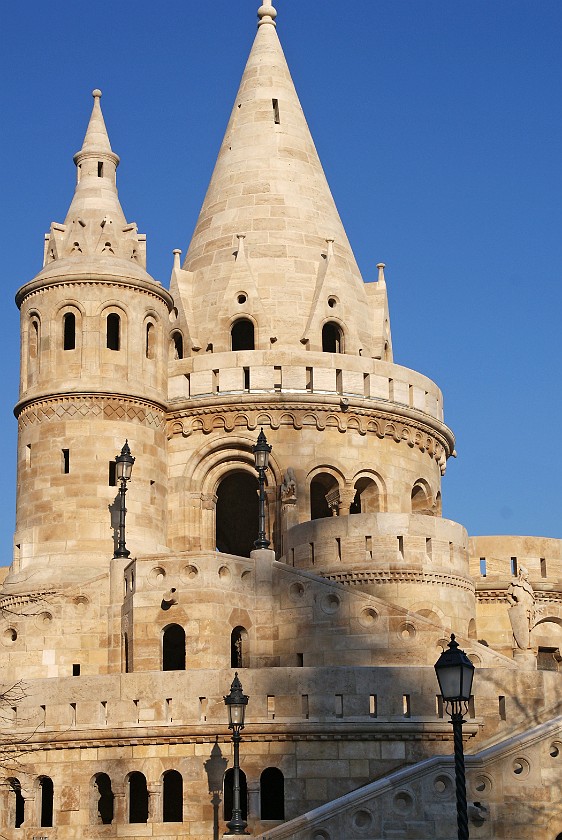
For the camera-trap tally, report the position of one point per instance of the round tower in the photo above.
(278, 330)
(93, 373)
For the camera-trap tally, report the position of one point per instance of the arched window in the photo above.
(324, 496)
(69, 331)
(239, 648)
(228, 785)
(138, 798)
(16, 805)
(150, 340)
(332, 338)
(103, 800)
(173, 648)
(367, 497)
(472, 629)
(242, 335)
(421, 499)
(177, 342)
(172, 797)
(33, 339)
(272, 794)
(46, 802)
(237, 514)
(113, 333)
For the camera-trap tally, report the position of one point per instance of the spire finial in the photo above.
(96, 93)
(267, 13)
(381, 267)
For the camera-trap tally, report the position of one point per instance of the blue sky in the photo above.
(439, 125)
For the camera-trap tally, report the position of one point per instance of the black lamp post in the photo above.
(455, 672)
(261, 460)
(123, 469)
(236, 703)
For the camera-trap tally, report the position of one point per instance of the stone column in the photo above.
(154, 802)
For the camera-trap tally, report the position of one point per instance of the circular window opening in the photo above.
(555, 749)
(242, 298)
(521, 767)
(11, 634)
(332, 301)
(362, 819)
(368, 617)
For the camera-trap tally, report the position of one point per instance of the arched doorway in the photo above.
(237, 514)
(272, 794)
(172, 797)
(173, 648)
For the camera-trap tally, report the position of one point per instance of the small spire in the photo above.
(96, 138)
(267, 14)
(177, 254)
(381, 267)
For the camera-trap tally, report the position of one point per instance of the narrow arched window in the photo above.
(69, 331)
(113, 333)
(46, 803)
(138, 798)
(242, 335)
(173, 648)
(126, 653)
(272, 794)
(16, 804)
(34, 339)
(104, 800)
(239, 648)
(149, 349)
(228, 787)
(177, 340)
(172, 797)
(332, 338)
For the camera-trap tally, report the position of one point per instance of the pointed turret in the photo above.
(95, 225)
(269, 187)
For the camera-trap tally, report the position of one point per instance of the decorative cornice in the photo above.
(104, 406)
(416, 431)
(39, 285)
(384, 576)
(499, 596)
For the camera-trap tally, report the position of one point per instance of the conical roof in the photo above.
(268, 186)
(95, 238)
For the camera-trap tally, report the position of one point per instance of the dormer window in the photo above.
(242, 335)
(332, 338)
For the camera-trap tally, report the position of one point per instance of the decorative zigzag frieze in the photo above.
(104, 407)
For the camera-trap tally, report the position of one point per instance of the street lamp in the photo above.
(455, 672)
(236, 703)
(261, 460)
(123, 469)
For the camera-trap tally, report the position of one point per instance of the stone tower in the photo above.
(93, 373)
(121, 727)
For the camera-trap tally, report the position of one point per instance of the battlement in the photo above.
(323, 374)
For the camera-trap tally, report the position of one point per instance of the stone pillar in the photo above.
(347, 497)
(120, 816)
(154, 803)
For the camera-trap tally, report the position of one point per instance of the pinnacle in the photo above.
(96, 139)
(267, 14)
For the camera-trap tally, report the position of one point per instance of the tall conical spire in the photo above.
(95, 225)
(268, 185)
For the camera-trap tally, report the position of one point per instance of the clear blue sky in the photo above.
(439, 125)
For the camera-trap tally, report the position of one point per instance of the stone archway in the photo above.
(237, 513)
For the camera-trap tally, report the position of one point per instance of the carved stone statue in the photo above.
(289, 486)
(522, 610)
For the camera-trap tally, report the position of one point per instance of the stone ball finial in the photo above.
(96, 93)
(267, 14)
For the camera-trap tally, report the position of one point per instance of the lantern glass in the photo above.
(236, 714)
(124, 464)
(261, 452)
(455, 673)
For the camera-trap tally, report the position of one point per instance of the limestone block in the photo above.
(201, 382)
(400, 391)
(379, 386)
(262, 378)
(352, 383)
(231, 379)
(293, 378)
